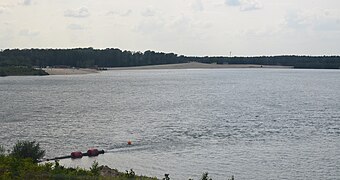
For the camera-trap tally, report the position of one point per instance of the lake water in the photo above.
(250, 123)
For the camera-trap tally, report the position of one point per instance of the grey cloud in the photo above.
(112, 13)
(149, 12)
(296, 20)
(75, 27)
(181, 24)
(27, 2)
(327, 21)
(77, 13)
(3, 9)
(233, 2)
(197, 5)
(318, 22)
(127, 13)
(28, 33)
(250, 5)
(122, 14)
(327, 24)
(6, 38)
(7, 23)
(244, 5)
(149, 26)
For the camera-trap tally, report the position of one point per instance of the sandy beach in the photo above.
(69, 71)
(196, 65)
(191, 65)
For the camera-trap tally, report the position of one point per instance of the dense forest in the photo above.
(112, 57)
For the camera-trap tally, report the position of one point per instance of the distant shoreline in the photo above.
(69, 71)
(115, 57)
(196, 65)
(190, 65)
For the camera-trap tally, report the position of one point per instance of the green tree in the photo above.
(28, 149)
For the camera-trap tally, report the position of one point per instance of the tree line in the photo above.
(113, 57)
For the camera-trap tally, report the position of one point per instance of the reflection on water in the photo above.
(251, 123)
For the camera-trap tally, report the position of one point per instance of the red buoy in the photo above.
(129, 142)
(92, 152)
(75, 155)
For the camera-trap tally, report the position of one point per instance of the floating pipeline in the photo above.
(78, 155)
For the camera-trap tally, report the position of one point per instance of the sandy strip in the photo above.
(191, 65)
(68, 71)
(196, 65)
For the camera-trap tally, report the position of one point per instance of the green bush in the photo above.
(95, 168)
(28, 149)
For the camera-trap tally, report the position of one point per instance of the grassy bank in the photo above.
(21, 71)
(18, 168)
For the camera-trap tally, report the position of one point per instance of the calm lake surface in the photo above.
(250, 123)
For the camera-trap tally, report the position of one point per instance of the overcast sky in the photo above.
(188, 27)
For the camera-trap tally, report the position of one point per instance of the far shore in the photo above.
(190, 65)
(196, 65)
(69, 71)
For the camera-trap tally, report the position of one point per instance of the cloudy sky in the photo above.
(188, 27)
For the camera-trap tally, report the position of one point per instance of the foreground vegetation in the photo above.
(113, 57)
(17, 168)
(22, 163)
(20, 71)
